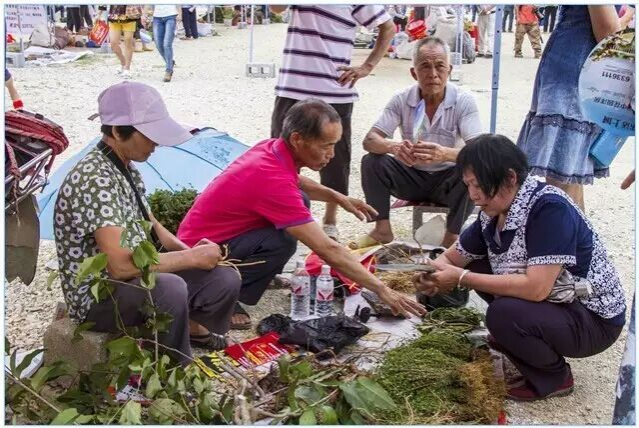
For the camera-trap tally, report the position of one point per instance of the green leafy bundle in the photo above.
(312, 393)
(170, 208)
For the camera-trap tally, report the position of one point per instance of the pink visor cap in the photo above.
(141, 106)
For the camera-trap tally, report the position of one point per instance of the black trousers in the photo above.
(384, 176)
(536, 336)
(189, 20)
(86, 16)
(550, 15)
(402, 22)
(334, 175)
(74, 21)
(206, 297)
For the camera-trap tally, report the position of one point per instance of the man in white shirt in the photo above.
(422, 166)
(317, 63)
(486, 27)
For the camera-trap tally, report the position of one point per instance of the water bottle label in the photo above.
(324, 296)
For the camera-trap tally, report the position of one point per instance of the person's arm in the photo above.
(516, 10)
(376, 142)
(120, 260)
(535, 285)
(167, 239)
(468, 126)
(551, 244)
(342, 260)
(353, 74)
(627, 182)
(317, 192)
(604, 20)
(13, 94)
(626, 18)
(277, 8)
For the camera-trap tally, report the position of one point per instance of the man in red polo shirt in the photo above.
(259, 207)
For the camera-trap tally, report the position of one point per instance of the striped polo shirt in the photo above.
(320, 39)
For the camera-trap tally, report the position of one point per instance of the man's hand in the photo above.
(353, 74)
(358, 208)
(405, 154)
(429, 153)
(441, 282)
(628, 180)
(204, 241)
(401, 305)
(205, 256)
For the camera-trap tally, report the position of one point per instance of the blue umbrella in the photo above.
(192, 164)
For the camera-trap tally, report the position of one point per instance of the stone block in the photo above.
(255, 69)
(82, 354)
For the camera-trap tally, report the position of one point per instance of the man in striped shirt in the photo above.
(317, 63)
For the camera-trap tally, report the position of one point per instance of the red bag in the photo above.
(366, 258)
(416, 30)
(99, 32)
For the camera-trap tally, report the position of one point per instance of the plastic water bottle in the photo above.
(300, 292)
(325, 290)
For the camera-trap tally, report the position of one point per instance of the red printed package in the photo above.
(261, 350)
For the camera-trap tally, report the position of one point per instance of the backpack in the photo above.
(47, 37)
(28, 137)
(468, 51)
(62, 37)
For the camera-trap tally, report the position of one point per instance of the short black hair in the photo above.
(490, 157)
(125, 131)
(308, 117)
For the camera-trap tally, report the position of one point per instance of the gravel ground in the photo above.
(209, 88)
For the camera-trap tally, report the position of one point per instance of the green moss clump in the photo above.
(447, 341)
(424, 377)
(439, 378)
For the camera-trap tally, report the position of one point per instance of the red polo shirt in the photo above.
(260, 189)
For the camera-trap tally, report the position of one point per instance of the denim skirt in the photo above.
(555, 135)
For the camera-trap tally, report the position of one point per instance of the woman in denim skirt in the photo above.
(555, 135)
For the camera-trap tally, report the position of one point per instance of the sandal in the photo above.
(244, 325)
(209, 341)
(363, 241)
(331, 231)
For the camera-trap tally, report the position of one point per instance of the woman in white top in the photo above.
(164, 22)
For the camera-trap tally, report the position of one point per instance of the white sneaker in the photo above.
(126, 74)
(118, 71)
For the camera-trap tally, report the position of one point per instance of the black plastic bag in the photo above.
(276, 322)
(319, 334)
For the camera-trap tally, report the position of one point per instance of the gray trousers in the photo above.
(383, 176)
(206, 297)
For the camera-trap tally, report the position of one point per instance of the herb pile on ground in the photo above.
(440, 378)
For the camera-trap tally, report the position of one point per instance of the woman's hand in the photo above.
(443, 281)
